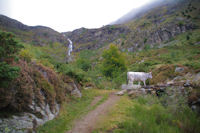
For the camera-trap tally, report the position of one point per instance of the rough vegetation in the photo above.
(149, 114)
(8, 49)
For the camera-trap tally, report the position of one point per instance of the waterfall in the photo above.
(70, 47)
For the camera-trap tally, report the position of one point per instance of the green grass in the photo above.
(73, 110)
(116, 115)
(50, 55)
(147, 114)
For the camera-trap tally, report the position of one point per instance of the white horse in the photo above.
(138, 76)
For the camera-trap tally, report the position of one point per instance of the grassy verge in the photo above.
(117, 115)
(72, 110)
(148, 115)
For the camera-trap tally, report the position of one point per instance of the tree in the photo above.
(113, 62)
(8, 49)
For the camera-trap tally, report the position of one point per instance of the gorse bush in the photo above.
(113, 62)
(8, 49)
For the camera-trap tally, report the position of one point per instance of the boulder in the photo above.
(26, 122)
(179, 69)
(197, 43)
(76, 92)
(195, 80)
(120, 93)
(130, 86)
(136, 93)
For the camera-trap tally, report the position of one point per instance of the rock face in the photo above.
(95, 38)
(27, 122)
(33, 98)
(156, 36)
(118, 34)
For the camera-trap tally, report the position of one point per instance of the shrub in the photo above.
(145, 40)
(145, 66)
(113, 62)
(119, 80)
(8, 49)
(84, 64)
(25, 55)
(162, 73)
(46, 63)
(180, 23)
(188, 16)
(73, 72)
(8, 46)
(147, 47)
(193, 64)
(7, 73)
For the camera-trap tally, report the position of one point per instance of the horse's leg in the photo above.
(129, 81)
(144, 83)
(132, 80)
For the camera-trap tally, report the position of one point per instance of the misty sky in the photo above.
(67, 15)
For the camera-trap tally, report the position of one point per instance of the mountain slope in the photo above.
(95, 38)
(151, 27)
(37, 35)
(138, 12)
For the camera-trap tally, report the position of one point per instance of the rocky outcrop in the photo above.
(156, 36)
(28, 121)
(34, 98)
(133, 39)
(95, 38)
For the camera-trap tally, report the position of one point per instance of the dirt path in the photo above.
(88, 122)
